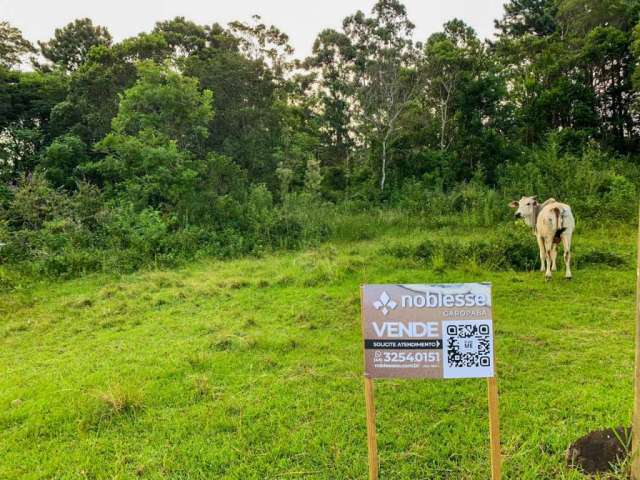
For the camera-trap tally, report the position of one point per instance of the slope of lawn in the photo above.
(252, 369)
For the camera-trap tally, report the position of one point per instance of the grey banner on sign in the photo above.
(428, 331)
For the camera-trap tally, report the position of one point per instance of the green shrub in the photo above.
(68, 263)
(8, 280)
(596, 184)
(517, 248)
(61, 159)
(35, 202)
(592, 257)
(59, 233)
(509, 249)
(399, 250)
(302, 220)
(468, 203)
(143, 231)
(619, 197)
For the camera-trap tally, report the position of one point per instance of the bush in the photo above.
(60, 233)
(65, 235)
(468, 203)
(619, 197)
(509, 249)
(8, 281)
(144, 232)
(34, 202)
(587, 181)
(68, 263)
(302, 220)
(600, 257)
(61, 159)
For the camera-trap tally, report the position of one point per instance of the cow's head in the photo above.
(525, 209)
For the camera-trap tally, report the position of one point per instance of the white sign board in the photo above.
(428, 331)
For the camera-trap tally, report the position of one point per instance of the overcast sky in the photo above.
(300, 19)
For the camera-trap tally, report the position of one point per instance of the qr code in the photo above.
(468, 345)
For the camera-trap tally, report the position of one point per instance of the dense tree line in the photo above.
(209, 135)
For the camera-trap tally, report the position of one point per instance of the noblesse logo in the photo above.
(430, 300)
(384, 303)
(438, 300)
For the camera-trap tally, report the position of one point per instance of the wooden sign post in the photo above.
(494, 428)
(372, 442)
(635, 427)
(429, 331)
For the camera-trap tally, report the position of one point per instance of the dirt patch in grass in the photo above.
(600, 451)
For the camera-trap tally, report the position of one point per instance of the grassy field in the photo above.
(252, 369)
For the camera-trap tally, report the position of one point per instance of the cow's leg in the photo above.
(554, 255)
(548, 247)
(542, 254)
(566, 243)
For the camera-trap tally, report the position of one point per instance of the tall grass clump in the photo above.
(118, 400)
(469, 204)
(509, 248)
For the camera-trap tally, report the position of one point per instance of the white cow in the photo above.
(552, 222)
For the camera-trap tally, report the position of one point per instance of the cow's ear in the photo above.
(514, 204)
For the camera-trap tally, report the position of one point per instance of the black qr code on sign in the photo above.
(469, 345)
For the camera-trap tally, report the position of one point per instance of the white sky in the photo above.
(301, 20)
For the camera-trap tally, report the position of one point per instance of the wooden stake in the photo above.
(371, 408)
(494, 429)
(635, 428)
(371, 429)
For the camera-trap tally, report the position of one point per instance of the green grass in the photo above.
(252, 369)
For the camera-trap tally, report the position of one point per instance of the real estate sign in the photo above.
(428, 331)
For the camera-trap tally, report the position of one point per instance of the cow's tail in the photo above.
(559, 227)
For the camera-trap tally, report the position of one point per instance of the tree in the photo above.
(61, 158)
(313, 176)
(182, 36)
(168, 103)
(330, 62)
(461, 96)
(576, 79)
(144, 46)
(12, 45)
(248, 100)
(579, 17)
(70, 44)
(93, 96)
(382, 61)
(606, 59)
(25, 127)
(153, 157)
(450, 57)
(635, 49)
(265, 43)
(527, 17)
